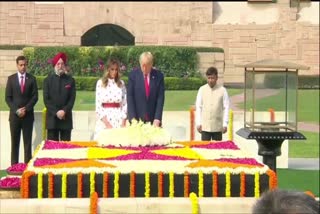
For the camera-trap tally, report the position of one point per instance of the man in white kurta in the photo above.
(212, 108)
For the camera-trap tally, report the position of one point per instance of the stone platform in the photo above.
(177, 123)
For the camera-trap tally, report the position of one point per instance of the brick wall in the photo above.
(163, 23)
(7, 65)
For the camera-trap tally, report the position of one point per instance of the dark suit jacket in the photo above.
(138, 103)
(59, 93)
(15, 99)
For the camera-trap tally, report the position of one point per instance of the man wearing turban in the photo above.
(59, 94)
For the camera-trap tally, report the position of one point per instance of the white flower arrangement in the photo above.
(136, 134)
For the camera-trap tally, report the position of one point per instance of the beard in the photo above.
(60, 71)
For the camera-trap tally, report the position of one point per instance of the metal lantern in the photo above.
(274, 118)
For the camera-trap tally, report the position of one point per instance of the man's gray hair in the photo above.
(146, 55)
(285, 202)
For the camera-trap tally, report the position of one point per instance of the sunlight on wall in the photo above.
(245, 13)
(309, 13)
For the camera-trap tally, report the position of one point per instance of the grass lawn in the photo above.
(301, 180)
(308, 108)
(308, 104)
(85, 100)
(305, 148)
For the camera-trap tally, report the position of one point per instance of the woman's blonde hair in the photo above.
(106, 74)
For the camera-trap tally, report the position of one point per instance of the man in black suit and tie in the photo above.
(21, 96)
(146, 92)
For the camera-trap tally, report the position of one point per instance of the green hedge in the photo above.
(89, 61)
(304, 81)
(12, 47)
(171, 83)
(308, 81)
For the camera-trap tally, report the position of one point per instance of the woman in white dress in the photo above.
(111, 99)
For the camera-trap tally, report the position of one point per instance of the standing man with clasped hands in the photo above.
(145, 95)
(21, 96)
(59, 94)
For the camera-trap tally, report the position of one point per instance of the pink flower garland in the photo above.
(218, 145)
(52, 161)
(17, 168)
(50, 144)
(10, 182)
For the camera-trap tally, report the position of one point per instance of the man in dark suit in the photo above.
(145, 95)
(21, 97)
(59, 94)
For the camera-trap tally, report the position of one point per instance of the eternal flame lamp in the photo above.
(272, 119)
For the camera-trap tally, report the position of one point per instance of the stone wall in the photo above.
(282, 36)
(7, 64)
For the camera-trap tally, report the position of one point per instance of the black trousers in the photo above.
(59, 134)
(207, 136)
(16, 126)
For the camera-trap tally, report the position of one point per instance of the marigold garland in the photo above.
(39, 184)
(192, 126)
(25, 183)
(105, 184)
(50, 185)
(256, 185)
(160, 184)
(92, 182)
(94, 203)
(132, 184)
(147, 184)
(308, 192)
(228, 184)
(193, 143)
(116, 184)
(210, 163)
(242, 184)
(186, 184)
(64, 185)
(273, 182)
(79, 179)
(200, 184)
(44, 121)
(171, 184)
(194, 203)
(215, 184)
(230, 128)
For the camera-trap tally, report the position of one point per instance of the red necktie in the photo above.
(22, 84)
(146, 85)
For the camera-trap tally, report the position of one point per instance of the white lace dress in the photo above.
(110, 94)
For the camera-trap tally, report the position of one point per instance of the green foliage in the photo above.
(40, 81)
(12, 47)
(207, 49)
(274, 80)
(86, 83)
(174, 83)
(90, 61)
(308, 81)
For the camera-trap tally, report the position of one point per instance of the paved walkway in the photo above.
(302, 126)
(303, 163)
